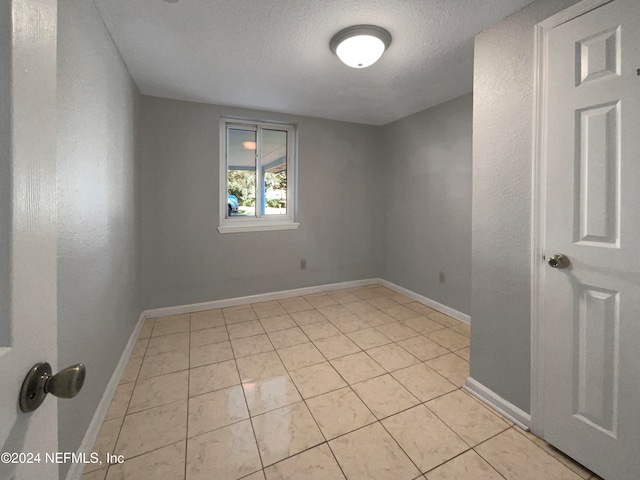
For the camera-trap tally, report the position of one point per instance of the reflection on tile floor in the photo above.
(361, 383)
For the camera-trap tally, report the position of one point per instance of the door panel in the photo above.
(597, 325)
(591, 310)
(598, 173)
(28, 213)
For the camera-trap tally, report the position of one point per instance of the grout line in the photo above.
(456, 456)
(244, 395)
(253, 473)
(336, 460)
(215, 429)
(400, 446)
(492, 437)
(449, 426)
(485, 459)
(393, 414)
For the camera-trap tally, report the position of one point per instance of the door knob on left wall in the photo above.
(66, 383)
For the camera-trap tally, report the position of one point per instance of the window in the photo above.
(257, 176)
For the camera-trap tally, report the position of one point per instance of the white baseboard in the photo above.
(521, 418)
(463, 317)
(262, 297)
(76, 470)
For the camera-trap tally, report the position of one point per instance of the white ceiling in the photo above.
(274, 54)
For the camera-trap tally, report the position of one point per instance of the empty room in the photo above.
(319, 239)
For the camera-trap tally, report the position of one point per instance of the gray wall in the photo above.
(502, 169)
(98, 244)
(186, 260)
(427, 193)
(5, 172)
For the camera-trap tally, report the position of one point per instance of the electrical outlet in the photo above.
(303, 264)
(441, 277)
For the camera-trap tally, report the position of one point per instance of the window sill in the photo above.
(257, 227)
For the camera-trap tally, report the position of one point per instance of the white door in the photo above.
(591, 310)
(27, 230)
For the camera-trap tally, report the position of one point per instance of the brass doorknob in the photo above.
(559, 261)
(66, 383)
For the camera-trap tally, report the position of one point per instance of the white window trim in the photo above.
(258, 224)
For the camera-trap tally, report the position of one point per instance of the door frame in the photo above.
(538, 225)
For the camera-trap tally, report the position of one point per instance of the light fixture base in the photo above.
(356, 31)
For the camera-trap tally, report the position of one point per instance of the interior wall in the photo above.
(98, 243)
(502, 209)
(186, 260)
(426, 188)
(5, 172)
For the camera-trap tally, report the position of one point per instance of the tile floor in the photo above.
(362, 384)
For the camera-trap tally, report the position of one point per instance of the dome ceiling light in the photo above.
(360, 46)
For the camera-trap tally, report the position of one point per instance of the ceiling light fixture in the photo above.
(361, 45)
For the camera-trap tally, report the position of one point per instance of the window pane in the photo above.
(274, 172)
(241, 172)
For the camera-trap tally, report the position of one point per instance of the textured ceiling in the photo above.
(274, 54)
